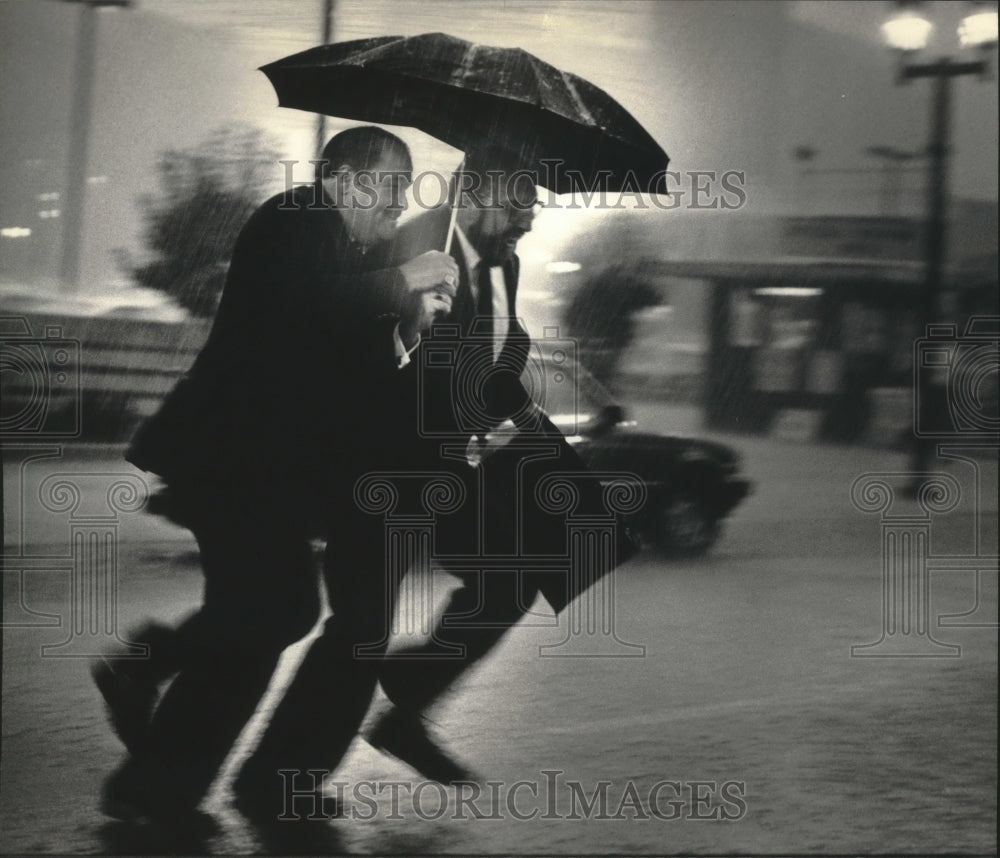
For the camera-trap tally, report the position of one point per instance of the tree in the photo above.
(207, 193)
(601, 315)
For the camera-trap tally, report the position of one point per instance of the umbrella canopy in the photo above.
(472, 96)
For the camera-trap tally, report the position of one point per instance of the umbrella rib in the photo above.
(376, 51)
(463, 70)
(571, 90)
(577, 100)
(534, 63)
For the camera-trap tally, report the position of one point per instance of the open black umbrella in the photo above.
(471, 96)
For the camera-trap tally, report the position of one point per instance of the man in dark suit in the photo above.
(253, 444)
(323, 707)
(495, 213)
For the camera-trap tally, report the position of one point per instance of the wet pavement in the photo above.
(743, 725)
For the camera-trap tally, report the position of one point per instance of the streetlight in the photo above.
(79, 140)
(908, 32)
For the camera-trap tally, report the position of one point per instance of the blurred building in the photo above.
(821, 336)
(798, 300)
(798, 311)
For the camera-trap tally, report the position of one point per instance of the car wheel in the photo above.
(685, 526)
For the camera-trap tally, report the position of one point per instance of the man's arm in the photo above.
(290, 279)
(388, 290)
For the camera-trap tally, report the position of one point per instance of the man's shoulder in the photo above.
(300, 198)
(292, 212)
(300, 202)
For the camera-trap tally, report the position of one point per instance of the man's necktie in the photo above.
(484, 301)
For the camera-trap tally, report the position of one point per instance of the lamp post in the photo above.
(79, 141)
(907, 32)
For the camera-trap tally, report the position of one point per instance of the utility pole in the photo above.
(79, 142)
(327, 30)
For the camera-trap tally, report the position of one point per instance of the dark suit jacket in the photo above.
(514, 474)
(302, 333)
(469, 399)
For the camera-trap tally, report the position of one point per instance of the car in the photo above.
(691, 484)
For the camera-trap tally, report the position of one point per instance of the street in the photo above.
(745, 696)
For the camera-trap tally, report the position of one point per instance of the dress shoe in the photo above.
(404, 736)
(263, 800)
(130, 700)
(132, 795)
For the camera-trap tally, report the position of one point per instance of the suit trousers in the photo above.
(260, 595)
(476, 617)
(324, 705)
(478, 614)
(327, 700)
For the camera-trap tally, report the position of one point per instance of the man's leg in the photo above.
(260, 596)
(476, 618)
(479, 613)
(130, 686)
(320, 713)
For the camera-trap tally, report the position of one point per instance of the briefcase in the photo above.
(544, 506)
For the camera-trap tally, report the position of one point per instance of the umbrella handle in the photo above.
(454, 208)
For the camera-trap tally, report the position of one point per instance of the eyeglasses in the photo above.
(521, 208)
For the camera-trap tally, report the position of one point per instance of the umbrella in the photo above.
(472, 96)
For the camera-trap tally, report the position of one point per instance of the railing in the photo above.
(88, 379)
